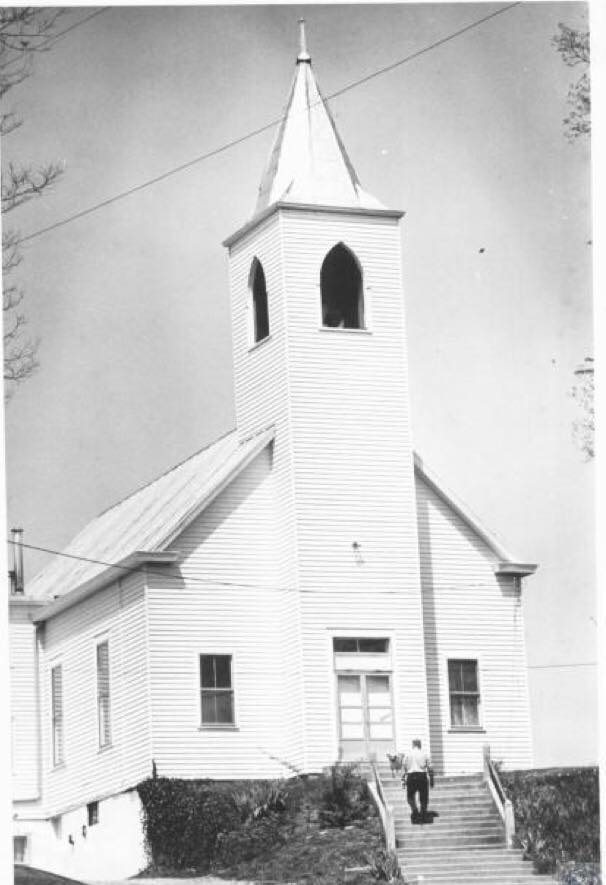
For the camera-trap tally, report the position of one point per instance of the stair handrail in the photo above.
(501, 800)
(384, 808)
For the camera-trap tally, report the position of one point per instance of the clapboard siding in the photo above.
(247, 614)
(343, 458)
(70, 638)
(469, 612)
(353, 468)
(24, 705)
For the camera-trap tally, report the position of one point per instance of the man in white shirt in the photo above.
(418, 774)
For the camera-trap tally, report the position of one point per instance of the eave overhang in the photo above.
(309, 207)
(516, 569)
(508, 565)
(112, 573)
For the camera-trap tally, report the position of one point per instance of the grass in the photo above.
(321, 857)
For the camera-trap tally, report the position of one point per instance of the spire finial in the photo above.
(303, 53)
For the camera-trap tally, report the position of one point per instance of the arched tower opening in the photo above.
(259, 311)
(342, 290)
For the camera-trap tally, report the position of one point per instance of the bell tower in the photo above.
(320, 352)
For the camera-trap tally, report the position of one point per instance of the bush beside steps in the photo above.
(321, 828)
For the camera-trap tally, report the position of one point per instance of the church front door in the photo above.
(365, 715)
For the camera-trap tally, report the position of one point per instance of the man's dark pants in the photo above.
(417, 783)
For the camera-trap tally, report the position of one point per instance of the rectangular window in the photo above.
(92, 811)
(360, 646)
(19, 848)
(464, 694)
(103, 694)
(57, 713)
(217, 696)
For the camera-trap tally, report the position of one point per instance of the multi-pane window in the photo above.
(57, 713)
(360, 646)
(464, 693)
(216, 691)
(103, 720)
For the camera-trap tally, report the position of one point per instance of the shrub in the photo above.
(580, 874)
(557, 815)
(384, 866)
(183, 819)
(344, 798)
(257, 839)
(260, 800)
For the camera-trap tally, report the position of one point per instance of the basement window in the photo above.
(19, 849)
(216, 691)
(258, 306)
(342, 291)
(92, 813)
(464, 694)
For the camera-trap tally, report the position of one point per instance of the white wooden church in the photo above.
(301, 591)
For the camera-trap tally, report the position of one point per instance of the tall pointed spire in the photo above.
(308, 163)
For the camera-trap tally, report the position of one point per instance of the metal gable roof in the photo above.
(151, 517)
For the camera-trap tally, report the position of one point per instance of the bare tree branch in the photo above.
(24, 32)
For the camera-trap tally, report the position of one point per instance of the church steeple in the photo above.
(308, 163)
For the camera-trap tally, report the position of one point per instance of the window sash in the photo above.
(216, 691)
(57, 713)
(464, 693)
(103, 696)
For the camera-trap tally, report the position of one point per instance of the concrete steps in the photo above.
(463, 844)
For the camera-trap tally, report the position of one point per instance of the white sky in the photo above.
(131, 303)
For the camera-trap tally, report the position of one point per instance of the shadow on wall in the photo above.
(434, 698)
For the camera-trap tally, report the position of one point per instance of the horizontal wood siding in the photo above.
(261, 377)
(470, 613)
(353, 468)
(24, 705)
(70, 638)
(229, 602)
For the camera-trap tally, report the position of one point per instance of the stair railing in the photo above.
(383, 807)
(503, 803)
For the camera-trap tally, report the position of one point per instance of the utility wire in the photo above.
(189, 579)
(54, 37)
(48, 41)
(233, 584)
(236, 141)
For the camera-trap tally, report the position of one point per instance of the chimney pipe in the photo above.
(18, 584)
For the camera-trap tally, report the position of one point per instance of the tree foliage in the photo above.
(583, 393)
(24, 32)
(573, 46)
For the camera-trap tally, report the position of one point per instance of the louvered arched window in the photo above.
(259, 312)
(342, 290)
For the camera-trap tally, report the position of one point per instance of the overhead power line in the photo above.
(189, 579)
(264, 128)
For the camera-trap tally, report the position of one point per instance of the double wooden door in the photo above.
(365, 715)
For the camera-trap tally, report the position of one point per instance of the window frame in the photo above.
(92, 813)
(104, 740)
(252, 313)
(476, 695)
(57, 721)
(363, 295)
(215, 690)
